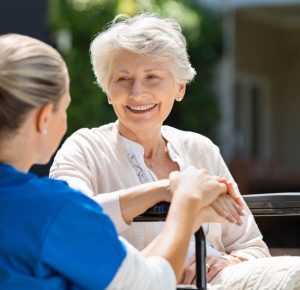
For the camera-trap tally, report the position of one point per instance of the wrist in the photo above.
(163, 188)
(183, 215)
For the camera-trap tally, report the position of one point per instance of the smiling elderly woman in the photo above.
(143, 66)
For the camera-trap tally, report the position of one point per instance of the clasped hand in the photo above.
(213, 198)
(218, 202)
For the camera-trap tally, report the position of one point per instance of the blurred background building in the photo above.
(259, 90)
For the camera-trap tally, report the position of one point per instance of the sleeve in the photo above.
(82, 244)
(73, 164)
(138, 272)
(243, 241)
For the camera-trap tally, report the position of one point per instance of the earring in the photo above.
(44, 132)
(108, 100)
(179, 99)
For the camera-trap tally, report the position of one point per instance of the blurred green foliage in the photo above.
(82, 19)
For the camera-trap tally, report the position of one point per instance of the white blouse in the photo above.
(135, 154)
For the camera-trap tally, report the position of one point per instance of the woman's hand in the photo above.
(196, 186)
(228, 208)
(216, 264)
(229, 205)
(213, 266)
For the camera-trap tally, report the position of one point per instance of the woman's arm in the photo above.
(136, 200)
(80, 166)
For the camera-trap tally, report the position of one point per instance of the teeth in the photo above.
(141, 108)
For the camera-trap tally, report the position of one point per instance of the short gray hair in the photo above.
(148, 34)
(32, 74)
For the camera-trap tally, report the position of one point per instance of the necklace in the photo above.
(151, 162)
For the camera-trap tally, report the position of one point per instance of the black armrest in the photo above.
(265, 204)
(156, 213)
(274, 204)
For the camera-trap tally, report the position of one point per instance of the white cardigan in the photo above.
(95, 162)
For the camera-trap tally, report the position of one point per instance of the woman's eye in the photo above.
(120, 79)
(152, 76)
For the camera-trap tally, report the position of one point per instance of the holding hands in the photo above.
(211, 198)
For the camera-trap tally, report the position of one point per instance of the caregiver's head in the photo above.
(143, 66)
(34, 96)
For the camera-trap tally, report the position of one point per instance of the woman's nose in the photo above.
(137, 88)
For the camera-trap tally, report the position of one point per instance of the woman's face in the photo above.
(142, 92)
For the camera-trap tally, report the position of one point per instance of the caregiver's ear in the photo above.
(43, 118)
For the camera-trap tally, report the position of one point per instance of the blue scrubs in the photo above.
(53, 237)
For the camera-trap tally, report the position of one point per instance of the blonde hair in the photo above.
(148, 34)
(32, 74)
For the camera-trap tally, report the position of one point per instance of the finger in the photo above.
(207, 268)
(190, 274)
(231, 192)
(215, 269)
(231, 208)
(240, 209)
(211, 260)
(235, 210)
(219, 209)
(225, 202)
(239, 213)
(194, 281)
(219, 179)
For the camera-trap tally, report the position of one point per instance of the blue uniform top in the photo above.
(53, 237)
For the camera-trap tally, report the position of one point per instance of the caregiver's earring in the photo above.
(179, 99)
(44, 132)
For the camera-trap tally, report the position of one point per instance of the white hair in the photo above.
(147, 34)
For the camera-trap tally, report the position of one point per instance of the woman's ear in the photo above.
(43, 118)
(181, 92)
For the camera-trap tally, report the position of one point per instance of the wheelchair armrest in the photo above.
(265, 204)
(154, 214)
(274, 204)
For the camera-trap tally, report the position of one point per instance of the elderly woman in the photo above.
(53, 237)
(143, 66)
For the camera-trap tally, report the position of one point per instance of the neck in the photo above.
(16, 153)
(18, 149)
(150, 139)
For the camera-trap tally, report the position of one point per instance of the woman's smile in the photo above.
(141, 109)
